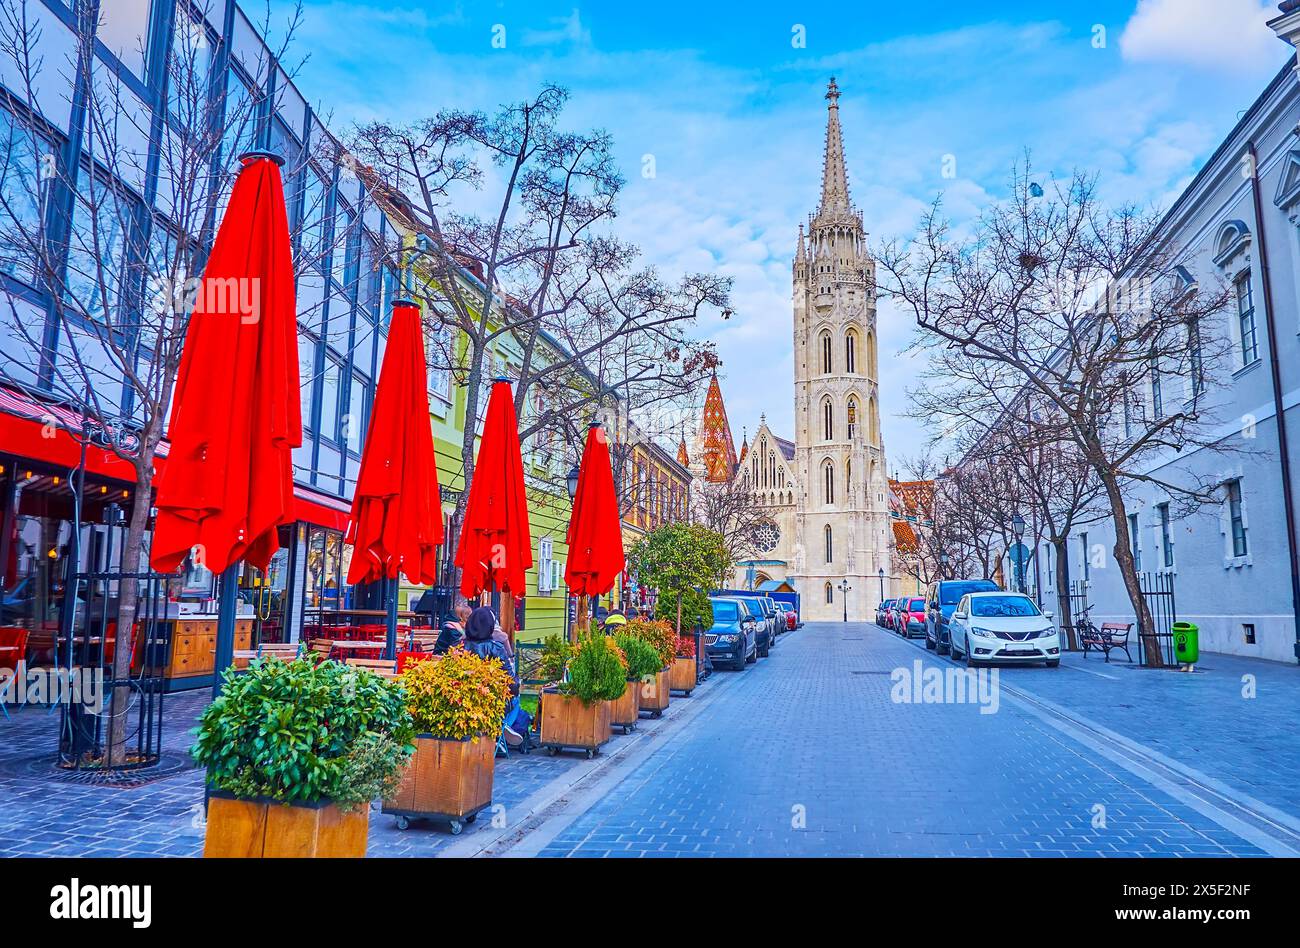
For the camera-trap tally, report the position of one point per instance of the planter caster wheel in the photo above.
(471, 818)
(402, 823)
(659, 714)
(688, 694)
(455, 826)
(553, 751)
(590, 753)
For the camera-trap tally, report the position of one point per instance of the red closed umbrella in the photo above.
(396, 521)
(236, 418)
(495, 549)
(595, 534)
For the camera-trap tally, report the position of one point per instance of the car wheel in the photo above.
(752, 657)
(929, 642)
(941, 647)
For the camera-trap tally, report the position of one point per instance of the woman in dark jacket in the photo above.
(479, 640)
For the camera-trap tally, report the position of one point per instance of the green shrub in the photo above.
(556, 653)
(597, 671)
(642, 659)
(302, 732)
(696, 607)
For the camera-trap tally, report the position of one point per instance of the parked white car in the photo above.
(989, 627)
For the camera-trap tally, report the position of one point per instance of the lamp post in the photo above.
(1018, 530)
(943, 565)
(881, 574)
(844, 595)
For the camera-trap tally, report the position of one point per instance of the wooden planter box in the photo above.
(654, 694)
(626, 711)
(568, 722)
(681, 676)
(257, 829)
(445, 780)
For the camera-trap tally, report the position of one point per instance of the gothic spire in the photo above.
(835, 179)
(717, 450)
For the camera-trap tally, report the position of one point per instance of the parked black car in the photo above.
(941, 601)
(765, 612)
(733, 638)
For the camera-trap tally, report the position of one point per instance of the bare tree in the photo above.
(1081, 304)
(544, 266)
(733, 512)
(135, 239)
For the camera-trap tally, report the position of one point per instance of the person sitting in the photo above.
(452, 632)
(481, 639)
(614, 622)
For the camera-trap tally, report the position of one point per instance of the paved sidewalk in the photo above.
(42, 814)
(808, 754)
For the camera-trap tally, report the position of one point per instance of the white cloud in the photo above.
(1228, 35)
(568, 29)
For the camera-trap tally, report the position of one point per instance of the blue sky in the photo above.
(1139, 91)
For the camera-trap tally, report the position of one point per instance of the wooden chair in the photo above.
(380, 666)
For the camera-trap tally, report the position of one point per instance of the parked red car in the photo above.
(911, 617)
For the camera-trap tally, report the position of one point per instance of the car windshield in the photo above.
(950, 593)
(917, 605)
(1002, 607)
(724, 611)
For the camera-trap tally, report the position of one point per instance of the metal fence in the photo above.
(89, 637)
(1158, 592)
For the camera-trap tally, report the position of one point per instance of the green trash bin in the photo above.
(1187, 642)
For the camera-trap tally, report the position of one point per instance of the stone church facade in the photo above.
(825, 493)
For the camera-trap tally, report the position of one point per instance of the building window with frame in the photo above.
(830, 594)
(1236, 519)
(826, 353)
(1195, 366)
(1166, 541)
(828, 485)
(1246, 319)
(850, 352)
(852, 414)
(828, 421)
(830, 545)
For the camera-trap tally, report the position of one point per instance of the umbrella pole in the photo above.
(227, 600)
(390, 619)
(580, 619)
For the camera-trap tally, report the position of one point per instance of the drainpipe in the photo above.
(1283, 447)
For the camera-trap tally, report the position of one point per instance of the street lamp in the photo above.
(571, 482)
(844, 594)
(881, 574)
(1018, 530)
(943, 565)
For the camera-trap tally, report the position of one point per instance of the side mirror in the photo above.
(959, 615)
(1049, 615)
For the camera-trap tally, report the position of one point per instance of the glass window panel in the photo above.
(97, 247)
(355, 421)
(307, 375)
(331, 382)
(124, 31)
(21, 159)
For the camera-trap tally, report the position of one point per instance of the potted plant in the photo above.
(456, 705)
(295, 751)
(660, 635)
(642, 665)
(682, 672)
(576, 712)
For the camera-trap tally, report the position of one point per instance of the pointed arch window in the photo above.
(826, 353)
(828, 482)
(830, 594)
(830, 545)
(850, 352)
(852, 416)
(771, 466)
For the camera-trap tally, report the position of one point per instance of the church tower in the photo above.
(842, 516)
